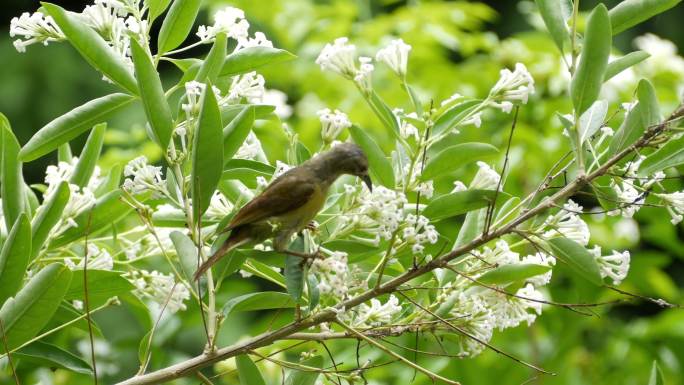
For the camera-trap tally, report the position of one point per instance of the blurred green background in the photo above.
(460, 47)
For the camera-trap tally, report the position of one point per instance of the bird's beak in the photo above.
(367, 180)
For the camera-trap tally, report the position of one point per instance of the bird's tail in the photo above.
(236, 239)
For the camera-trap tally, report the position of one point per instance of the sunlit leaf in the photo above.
(577, 257)
(458, 203)
(177, 24)
(251, 58)
(380, 166)
(14, 257)
(629, 13)
(456, 157)
(622, 63)
(88, 159)
(248, 372)
(258, 301)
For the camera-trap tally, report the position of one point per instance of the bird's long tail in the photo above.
(237, 238)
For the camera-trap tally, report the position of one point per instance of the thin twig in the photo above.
(7, 352)
(86, 301)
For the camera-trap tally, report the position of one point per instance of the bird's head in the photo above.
(350, 159)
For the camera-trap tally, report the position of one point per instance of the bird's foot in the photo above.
(308, 256)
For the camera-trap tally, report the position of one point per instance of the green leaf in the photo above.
(453, 116)
(264, 271)
(577, 257)
(207, 154)
(384, 113)
(670, 155)
(52, 356)
(380, 166)
(73, 124)
(246, 171)
(251, 58)
(156, 8)
(294, 277)
(11, 178)
(187, 253)
(620, 64)
(473, 224)
(644, 114)
(258, 301)
(25, 315)
(552, 13)
(92, 47)
(154, 101)
(177, 24)
(185, 64)
(102, 285)
(656, 377)
(301, 377)
(235, 133)
(587, 81)
(214, 61)
(313, 293)
(247, 371)
(111, 182)
(512, 273)
(14, 257)
(261, 111)
(629, 13)
(64, 153)
(89, 156)
(108, 210)
(460, 155)
(457, 203)
(592, 119)
(48, 216)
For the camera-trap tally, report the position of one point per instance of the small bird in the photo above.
(291, 202)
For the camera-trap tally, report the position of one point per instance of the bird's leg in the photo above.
(309, 256)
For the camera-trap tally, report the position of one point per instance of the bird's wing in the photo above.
(289, 192)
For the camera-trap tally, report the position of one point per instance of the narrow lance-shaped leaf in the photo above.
(177, 24)
(187, 253)
(305, 377)
(102, 285)
(210, 68)
(294, 277)
(644, 114)
(11, 179)
(592, 119)
(513, 273)
(156, 8)
(577, 257)
(89, 156)
(72, 124)
(587, 80)
(14, 257)
(656, 377)
(455, 157)
(48, 216)
(93, 47)
(235, 132)
(207, 154)
(30, 310)
(458, 203)
(670, 155)
(258, 301)
(629, 13)
(52, 356)
(157, 108)
(64, 153)
(620, 64)
(380, 167)
(247, 371)
(251, 58)
(552, 13)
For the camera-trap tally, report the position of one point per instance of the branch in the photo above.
(194, 364)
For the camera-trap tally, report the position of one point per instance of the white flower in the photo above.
(377, 314)
(333, 274)
(514, 86)
(332, 123)
(425, 189)
(675, 205)
(249, 86)
(408, 130)
(98, 259)
(250, 148)
(486, 178)
(615, 266)
(629, 198)
(475, 120)
(34, 28)
(384, 208)
(161, 289)
(219, 207)
(281, 168)
(542, 259)
(259, 40)
(451, 99)
(395, 55)
(144, 177)
(474, 317)
(568, 224)
(418, 231)
(663, 55)
(459, 186)
(80, 201)
(363, 75)
(501, 254)
(279, 100)
(230, 21)
(339, 57)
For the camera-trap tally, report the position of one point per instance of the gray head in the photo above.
(347, 158)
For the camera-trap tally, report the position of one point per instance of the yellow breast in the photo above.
(298, 219)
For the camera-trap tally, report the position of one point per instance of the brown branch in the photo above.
(86, 302)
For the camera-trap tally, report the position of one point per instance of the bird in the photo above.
(291, 202)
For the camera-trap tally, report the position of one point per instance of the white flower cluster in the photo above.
(381, 212)
(630, 189)
(160, 288)
(485, 178)
(615, 266)
(333, 274)
(98, 259)
(219, 207)
(376, 314)
(81, 199)
(232, 22)
(34, 28)
(332, 124)
(249, 86)
(567, 223)
(664, 57)
(250, 148)
(675, 205)
(395, 55)
(340, 58)
(512, 87)
(144, 178)
(418, 231)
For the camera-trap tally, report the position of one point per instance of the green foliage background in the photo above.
(455, 49)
